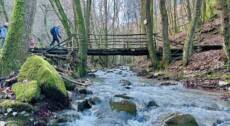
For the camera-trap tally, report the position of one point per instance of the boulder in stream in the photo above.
(181, 120)
(26, 92)
(48, 79)
(84, 105)
(124, 106)
(125, 83)
(152, 104)
(16, 106)
(168, 83)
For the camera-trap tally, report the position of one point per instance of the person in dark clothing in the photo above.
(55, 32)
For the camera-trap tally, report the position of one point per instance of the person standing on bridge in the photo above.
(3, 33)
(55, 32)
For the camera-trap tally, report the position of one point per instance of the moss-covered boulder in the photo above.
(124, 106)
(49, 80)
(181, 120)
(15, 106)
(26, 92)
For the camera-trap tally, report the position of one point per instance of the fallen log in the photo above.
(11, 81)
(73, 81)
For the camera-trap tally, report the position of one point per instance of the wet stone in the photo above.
(84, 105)
(124, 96)
(84, 91)
(124, 106)
(125, 83)
(152, 104)
(181, 120)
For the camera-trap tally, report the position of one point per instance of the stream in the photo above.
(207, 107)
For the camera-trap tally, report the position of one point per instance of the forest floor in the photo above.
(206, 70)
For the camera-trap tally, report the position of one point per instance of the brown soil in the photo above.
(197, 74)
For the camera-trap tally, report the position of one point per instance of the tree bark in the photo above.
(175, 16)
(143, 12)
(62, 16)
(2, 3)
(18, 37)
(166, 45)
(149, 27)
(83, 42)
(188, 6)
(189, 41)
(225, 4)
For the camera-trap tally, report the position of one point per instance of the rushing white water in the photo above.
(206, 107)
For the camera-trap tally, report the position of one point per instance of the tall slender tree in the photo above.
(225, 5)
(175, 16)
(17, 41)
(106, 59)
(187, 52)
(56, 4)
(188, 6)
(2, 4)
(149, 27)
(143, 12)
(81, 68)
(166, 45)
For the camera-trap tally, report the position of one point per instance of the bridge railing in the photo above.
(108, 41)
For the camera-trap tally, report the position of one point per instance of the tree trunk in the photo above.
(106, 59)
(175, 16)
(62, 16)
(151, 41)
(189, 41)
(188, 6)
(225, 4)
(17, 41)
(143, 12)
(166, 45)
(83, 41)
(2, 3)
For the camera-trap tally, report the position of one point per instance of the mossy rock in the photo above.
(181, 120)
(15, 106)
(49, 80)
(26, 92)
(124, 106)
(19, 121)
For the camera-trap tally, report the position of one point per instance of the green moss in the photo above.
(14, 52)
(51, 83)
(19, 121)
(125, 106)
(15, 105)
(26, 92)
(181, 120)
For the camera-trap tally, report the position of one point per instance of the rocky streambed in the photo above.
(120, 98)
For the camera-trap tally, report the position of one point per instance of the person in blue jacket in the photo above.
(56, 34)
(3, 33)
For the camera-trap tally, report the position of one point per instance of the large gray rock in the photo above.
(124, 106)
(181, 120)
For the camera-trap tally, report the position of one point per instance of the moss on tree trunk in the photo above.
(191, 33)
(149, 27)
(56, 4)
(17, 41)
(225, 4)
(83, 42)
(166, 45)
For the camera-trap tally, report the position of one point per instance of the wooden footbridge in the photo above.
(107, 45)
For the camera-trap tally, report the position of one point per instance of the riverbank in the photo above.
(206, 70)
